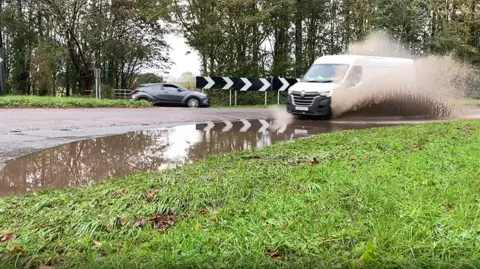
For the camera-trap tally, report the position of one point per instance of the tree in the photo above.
(118, 36)
(147, 78)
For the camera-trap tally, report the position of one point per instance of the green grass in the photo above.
(16, 101)
(404, 197)
(475, 102)
(247, 106)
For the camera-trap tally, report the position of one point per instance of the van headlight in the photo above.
(325, 93)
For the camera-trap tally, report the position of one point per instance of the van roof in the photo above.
(363, 60)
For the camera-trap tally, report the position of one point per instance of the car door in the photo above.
(158, 93)
(173, 93)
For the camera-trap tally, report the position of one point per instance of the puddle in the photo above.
(82, 163)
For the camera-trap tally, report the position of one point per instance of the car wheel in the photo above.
(193, 102)
(144, 99)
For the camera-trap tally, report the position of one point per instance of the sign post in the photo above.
(3, 89)
(98, 92)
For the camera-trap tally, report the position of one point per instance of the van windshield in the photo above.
(325, 73)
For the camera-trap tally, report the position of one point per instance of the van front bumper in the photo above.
(319, 107)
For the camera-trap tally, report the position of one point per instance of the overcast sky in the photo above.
(181, 61)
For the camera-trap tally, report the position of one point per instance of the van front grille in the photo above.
(306, 100)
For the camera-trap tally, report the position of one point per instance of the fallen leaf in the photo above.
(203, 212)
(198, 226)
(17, 249)
(354, 170)
(251, 157)
(448, 207)
(151, 195)
(119, 222)
(274, 254)
(353, 158)
(213, 218)
(97, 243)
(8, 237)
(164, 222)
(139, 223)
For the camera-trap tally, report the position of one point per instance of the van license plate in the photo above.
(301, 108)
(301, 132)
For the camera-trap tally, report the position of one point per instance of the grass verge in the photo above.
(65, 102)
(473, 102)
(404, 197)
(248, 106)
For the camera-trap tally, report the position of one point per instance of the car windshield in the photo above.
(325, 73)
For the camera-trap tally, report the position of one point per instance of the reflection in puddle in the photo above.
(81, 163)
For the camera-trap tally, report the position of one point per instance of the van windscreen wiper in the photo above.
(321, 81)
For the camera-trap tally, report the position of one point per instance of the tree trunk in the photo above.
(67, 80)
(298, 39)
(86, 81)
(472, 31)
(1, 32)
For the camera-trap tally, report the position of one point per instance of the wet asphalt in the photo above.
(24, 131)
(77, 147)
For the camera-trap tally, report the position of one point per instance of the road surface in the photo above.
(24, 131)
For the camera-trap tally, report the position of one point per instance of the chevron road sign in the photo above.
(245, 84)
(282, 84)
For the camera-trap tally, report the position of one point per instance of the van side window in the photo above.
(355, 75)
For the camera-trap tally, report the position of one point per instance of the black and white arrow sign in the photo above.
(245, 84)
(282, 84)
(266, 85)
(229, 83)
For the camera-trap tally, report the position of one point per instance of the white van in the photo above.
(312, 95)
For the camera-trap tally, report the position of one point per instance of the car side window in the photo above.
(158, 87)
(355, 76)
(170, 88)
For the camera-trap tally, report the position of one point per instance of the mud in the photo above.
(81, 163)
(432, 86)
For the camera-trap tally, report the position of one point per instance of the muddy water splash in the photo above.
(437, 90)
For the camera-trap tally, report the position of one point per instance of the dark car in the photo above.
(170, 94)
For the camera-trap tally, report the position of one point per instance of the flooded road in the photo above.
(82, 163)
